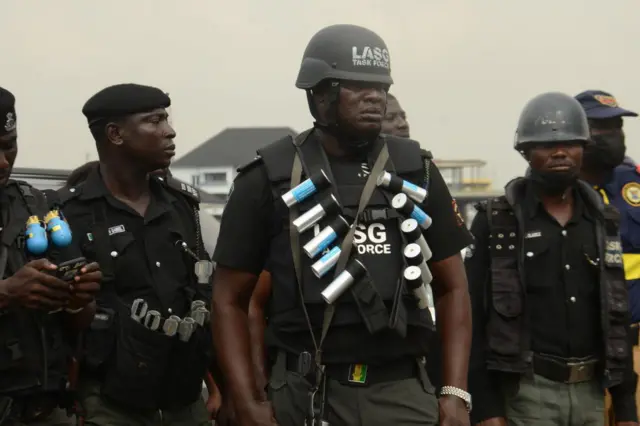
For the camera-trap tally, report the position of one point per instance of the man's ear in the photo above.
(114, 132)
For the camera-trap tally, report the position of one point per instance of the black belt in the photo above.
(565, 370)
(366, 374)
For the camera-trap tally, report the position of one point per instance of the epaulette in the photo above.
(23, 185)
(426, 154)
(251, 164)
(66, 193)
(189, 191)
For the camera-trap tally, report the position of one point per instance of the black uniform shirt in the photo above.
(146, 262)
(562, 289)
(244, 240)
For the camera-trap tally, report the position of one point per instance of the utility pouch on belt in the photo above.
(100, 338)
(188, 363)
(134, 376)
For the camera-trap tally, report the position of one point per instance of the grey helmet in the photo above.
(549, 118)
(344, 52)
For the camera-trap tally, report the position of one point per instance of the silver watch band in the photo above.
(462, 394)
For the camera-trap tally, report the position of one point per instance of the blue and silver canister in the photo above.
(353, 273)
(413, 234)
(396, 185)
(338, 228)
(327, 206)
(305, 189)
(405, 206)
(326, 262)
(413, 280)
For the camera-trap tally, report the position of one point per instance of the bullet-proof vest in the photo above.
(509, 345)
(378, 241)
(33, 354)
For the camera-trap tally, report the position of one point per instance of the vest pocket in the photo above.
(617, 299)
(100, 338)
(138, 365)
(187, 367)
(503, 328)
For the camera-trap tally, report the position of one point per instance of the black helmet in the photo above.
(344, 52)
(552, 117)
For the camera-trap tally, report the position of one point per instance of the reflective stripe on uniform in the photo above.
(631, 266)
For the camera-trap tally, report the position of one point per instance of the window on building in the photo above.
(195, 181)
(216, 177)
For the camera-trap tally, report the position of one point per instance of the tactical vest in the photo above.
(408, 161)
(509, 341)
(144, 369)
(33, 353)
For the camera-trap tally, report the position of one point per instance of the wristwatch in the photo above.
(463, 395)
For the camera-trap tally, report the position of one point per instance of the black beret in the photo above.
(7, 111)
(122, 100)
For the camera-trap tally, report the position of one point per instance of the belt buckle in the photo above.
(579, 372)
(358, 374)
(373, 215)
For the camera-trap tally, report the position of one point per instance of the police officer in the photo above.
(148, 348)
(353, 357)
(617, 180)
(549, 300)
(395, 119)
(35, 306)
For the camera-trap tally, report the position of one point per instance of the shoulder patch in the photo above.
(66, 193)
(251, 164)
(456, 211)
(185, 189)
(638, 169)
(631, 194)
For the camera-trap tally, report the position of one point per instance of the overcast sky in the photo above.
(463, 69)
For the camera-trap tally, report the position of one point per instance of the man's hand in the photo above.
(226, 414)
(495, 421)
(34, 287)
(258, 413)
(214, 402)
(85, 286)
(453, 411)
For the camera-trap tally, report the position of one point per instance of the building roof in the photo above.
(234, 146)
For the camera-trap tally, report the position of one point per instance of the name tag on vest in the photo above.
(116, 229)
(612, 252)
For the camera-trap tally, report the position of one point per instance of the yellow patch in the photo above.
(456, 210)
(631, 193)
(609, 101)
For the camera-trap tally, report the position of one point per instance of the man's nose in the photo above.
(169, 131)
(375, 94)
